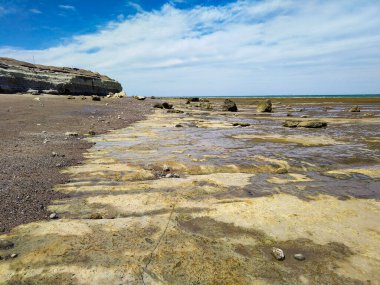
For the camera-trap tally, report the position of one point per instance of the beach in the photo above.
(193, 194)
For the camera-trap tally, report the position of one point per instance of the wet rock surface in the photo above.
(239, 193)
(19, 76)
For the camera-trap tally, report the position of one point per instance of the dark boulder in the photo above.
(230, 106)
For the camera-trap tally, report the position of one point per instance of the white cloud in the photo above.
(246, 47)
(135, 6)
(35, 11)
(67, 7)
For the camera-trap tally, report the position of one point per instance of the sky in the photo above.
(204, 48)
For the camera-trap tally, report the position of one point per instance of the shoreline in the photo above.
(34, 148)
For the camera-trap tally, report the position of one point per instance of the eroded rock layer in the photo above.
(18, 76)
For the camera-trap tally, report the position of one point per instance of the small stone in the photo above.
(91, 133)
(178, 126)
(70, 97)
(169, 175)
(14, 255)
(6, 244)
(304, 116)
(278, 253)
(53, 216)
(354, 109)
(71, 134)
(166, 168)
(149, 240)
(58, 165)
(241, 124)
(281, 170)
(37, 99)
(45, 141)
(299, 256)
(96, 98)
(54, 154)
(96, 216)
(140, 98)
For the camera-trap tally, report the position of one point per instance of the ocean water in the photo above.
(290, 96)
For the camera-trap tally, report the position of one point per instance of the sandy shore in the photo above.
(32, 129)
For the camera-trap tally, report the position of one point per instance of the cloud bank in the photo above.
(242, 48)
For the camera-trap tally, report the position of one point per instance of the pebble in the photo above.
(92, 133)
(71, 134)
(6, 244)
(14, 255)
(299, 256)
(53, 216)
(278, 253)
(54, 154)
(178, 126)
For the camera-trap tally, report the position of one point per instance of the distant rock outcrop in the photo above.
(18, 76)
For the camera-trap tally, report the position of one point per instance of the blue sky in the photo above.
(192, 47)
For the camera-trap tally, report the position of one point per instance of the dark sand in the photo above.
(28, 170)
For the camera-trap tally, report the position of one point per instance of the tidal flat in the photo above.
(202, 196)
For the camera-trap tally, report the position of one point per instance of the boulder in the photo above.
(164, 105)
(264, 106)
(121, 94)
(18, 76)
(304, 124)
(229, 105)
(354, 109)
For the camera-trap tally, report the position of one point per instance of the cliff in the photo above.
(18, 76)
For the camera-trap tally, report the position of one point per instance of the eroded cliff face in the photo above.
(18, 76)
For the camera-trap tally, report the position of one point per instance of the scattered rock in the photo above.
(149, 240)
(33, 91)
(354, 109)
(206, 106)
(70, 97)
(299, 256)
(230, 106)
(37, 99)
(96, 216)
(169, 175)
(178, 126)
(264, 106)
(83, 97)
(152, 97)
(304, 116)
(91, 133)
(304, 124)
(109, 96)
(50, 92)
(54, 154)
(96, 98)
(6, 244)
(241, 124)
(166, 105)
(187, 101)
(53, 216)
(121, 94)
(281, 170)
(71, 134)
(166, 168)
(158, 106)
(14, 255)
(368, 115)
(140, 98)
(278, 253)
(194, 99)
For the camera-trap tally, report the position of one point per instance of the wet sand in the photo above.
(32, 130)
(127, 219)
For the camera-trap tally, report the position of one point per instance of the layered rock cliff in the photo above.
(18, 76)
